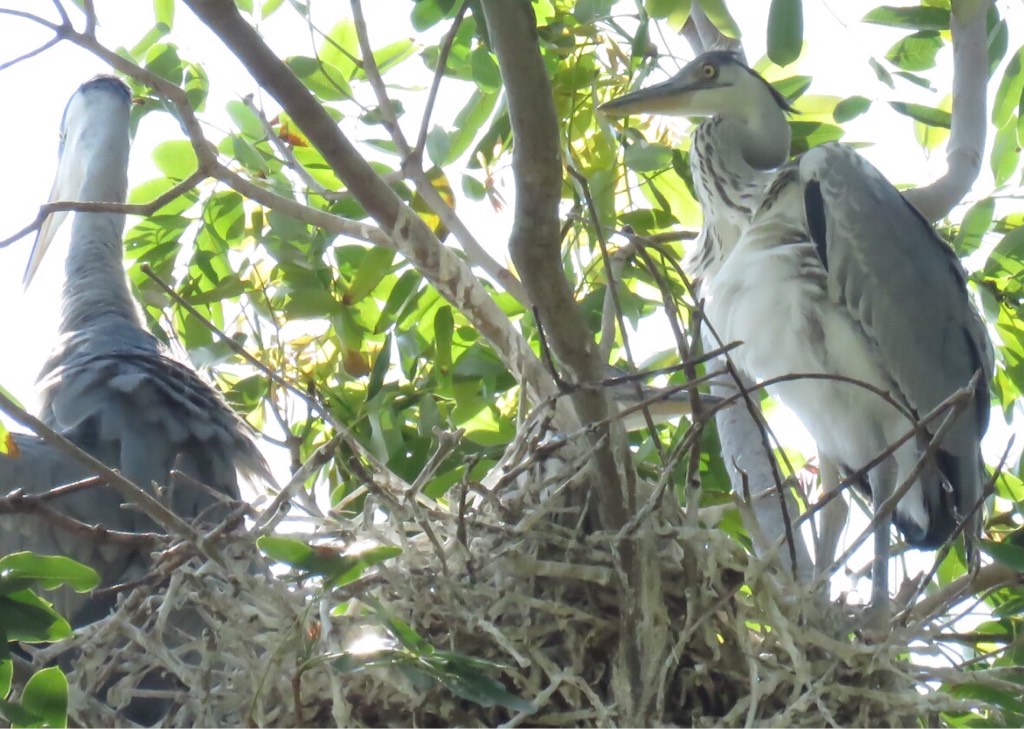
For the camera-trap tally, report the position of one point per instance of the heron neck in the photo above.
(95, 285)
(729, 188)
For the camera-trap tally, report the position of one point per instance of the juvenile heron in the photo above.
(107, 385)
(819, 266)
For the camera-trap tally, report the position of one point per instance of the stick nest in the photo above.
(497, 573)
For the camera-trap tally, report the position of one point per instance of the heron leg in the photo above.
(883, 482)
(833, 517)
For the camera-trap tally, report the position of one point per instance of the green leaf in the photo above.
(326, 81)
(246, 120)
(46, 695)
(374, 266)
(444, 326)
(404, 634)
(26, 617)
(50, 572)
(1005, 553)
(1008, 255)
(6, 674)
(283, 549)
(647, 157)
(850, 108)
(19, 716)
(163, 60)
(340, 48)
(7, 445)
(810, 134)
(467, 682)
(151, 190)
(154, 34)
(1008, 96)
(176, 159)
(998, 44)
(379, 372)
(973, 227)
(785, 31)
(270, 7)
(881, 73)
(438, 146)
(428, 13)
(390, 56)
(469, 122)
(925, 114)
(675, 10)
(915, 79)
(163, 10)
(350, 662)
(197, 86)
(719, 15)
(485, 70)
(338, 568)
(792, 87)
(916, 52)
(914, 18)
(589, 11)
(1005, 155)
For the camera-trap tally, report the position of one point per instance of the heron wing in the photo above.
(36, 467)
(904, 286)
(165, 411)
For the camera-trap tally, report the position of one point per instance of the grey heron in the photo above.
(107, 385)
(819, 266)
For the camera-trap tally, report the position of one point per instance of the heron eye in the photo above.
(709, 70)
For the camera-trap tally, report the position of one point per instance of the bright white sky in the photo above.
(838, 47)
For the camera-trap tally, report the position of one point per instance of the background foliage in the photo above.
(353, 336)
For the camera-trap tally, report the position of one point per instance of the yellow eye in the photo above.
(709, 70)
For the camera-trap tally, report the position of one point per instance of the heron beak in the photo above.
(674, 97)
(65, 188)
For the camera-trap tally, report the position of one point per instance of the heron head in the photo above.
(719, 84)
(93, 154)
(716, 83)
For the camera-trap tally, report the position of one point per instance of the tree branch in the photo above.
(966, 144)
(449, 275)
(535, 246)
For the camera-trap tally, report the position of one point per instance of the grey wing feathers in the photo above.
(39, 467)
(899, 279)
(158, 409)
(906, 288)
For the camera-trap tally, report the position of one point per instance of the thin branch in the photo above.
(320, 457)
(36, 19)
(435, 83)
(142, 209)
(283, 149)
(59, 6)
(30, 54)
(412, 165)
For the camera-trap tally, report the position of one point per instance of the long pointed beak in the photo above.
(673, 97)
(66, 187)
